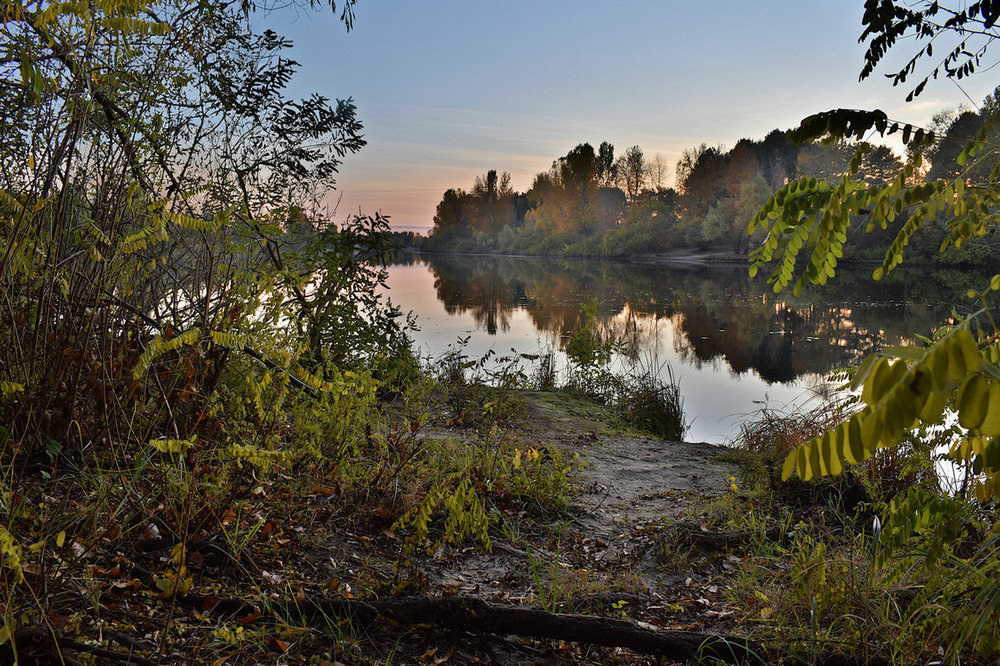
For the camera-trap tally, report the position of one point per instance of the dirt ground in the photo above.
(603, 555)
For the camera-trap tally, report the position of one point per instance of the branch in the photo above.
(471, 613)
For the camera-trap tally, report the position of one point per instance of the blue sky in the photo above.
(448, 89)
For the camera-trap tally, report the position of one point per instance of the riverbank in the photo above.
(566, 538)
(604, 554)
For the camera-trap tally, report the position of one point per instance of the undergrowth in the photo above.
(849, 566)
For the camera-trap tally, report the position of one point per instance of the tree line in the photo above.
(594, 203)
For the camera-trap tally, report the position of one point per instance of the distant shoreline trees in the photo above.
(592, 203)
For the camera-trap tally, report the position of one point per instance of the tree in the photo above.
(657, 172)
(726, 221)
(607, 170)
(494, 200)
(778, 158)
(149, 166)
(686, 164)
(826, 161)
(879, 166)
(632, 172)
(452, 217)
(578, 170)
(705, 180)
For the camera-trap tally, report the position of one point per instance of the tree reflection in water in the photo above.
(717, 312)
(732, 343)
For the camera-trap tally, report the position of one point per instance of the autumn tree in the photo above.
(494, 200)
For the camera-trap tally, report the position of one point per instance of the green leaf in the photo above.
(789, 465)
(833, 441)
(854, 448)
(990, 427)
(907, 353)
(973, 401)
(865, 369)
(933, 408)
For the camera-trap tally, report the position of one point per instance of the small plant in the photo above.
(463, 514)
(550, 599)
(653, 404)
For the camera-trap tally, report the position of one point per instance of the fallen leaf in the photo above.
(253, 616)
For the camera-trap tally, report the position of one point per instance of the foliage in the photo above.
(179, 325)
(947, 392)
(585, 347)
(464, 516)
(888, 21)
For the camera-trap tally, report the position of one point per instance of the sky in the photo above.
(448, 89)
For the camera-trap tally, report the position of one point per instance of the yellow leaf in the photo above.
(60, 539)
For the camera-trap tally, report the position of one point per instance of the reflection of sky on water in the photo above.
(716, 400)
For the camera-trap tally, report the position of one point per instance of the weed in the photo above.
(653, 404)
(548, 599)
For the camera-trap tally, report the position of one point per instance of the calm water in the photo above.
(732, 344)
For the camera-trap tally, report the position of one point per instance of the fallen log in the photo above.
(474, 614)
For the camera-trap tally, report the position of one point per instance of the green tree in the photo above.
(727, 220)
(150, 163)
(951, 134)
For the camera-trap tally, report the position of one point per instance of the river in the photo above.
(731, 343)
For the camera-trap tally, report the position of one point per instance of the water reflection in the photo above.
(709, 322)
(718, 311)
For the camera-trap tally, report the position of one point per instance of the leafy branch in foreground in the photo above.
(946, 393)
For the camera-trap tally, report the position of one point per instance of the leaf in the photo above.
(833, 441)
(171, 445)
(973, 401)
(908, 353)
(791, 461)
(990, 426)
